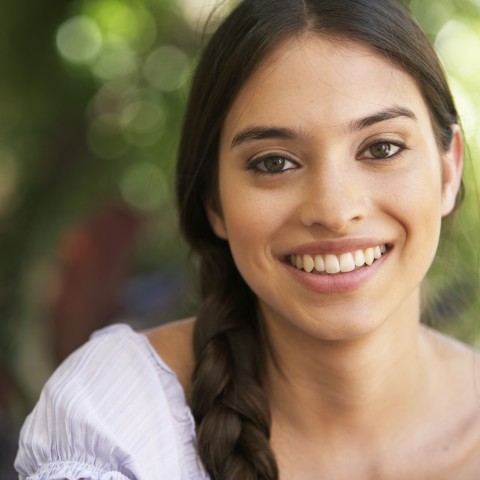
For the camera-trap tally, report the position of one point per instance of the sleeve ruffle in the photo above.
(75, 471)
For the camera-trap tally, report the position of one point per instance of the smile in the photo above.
(332, 264)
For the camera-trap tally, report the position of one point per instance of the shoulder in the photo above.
(111, 406)
(458, 367)
(114, 357)
(173, 343)
(459, 361)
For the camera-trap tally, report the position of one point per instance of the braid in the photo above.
(229, 405)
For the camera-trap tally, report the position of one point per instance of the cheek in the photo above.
(255, 220)
(414, 191)
(415, 203)
(252, 214)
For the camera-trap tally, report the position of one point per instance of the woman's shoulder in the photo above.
(173, 342)
(458, 359)
(458, 371)
(117, 370)
(114, 404)
(115, 354)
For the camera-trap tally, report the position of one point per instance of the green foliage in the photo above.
(92, 99)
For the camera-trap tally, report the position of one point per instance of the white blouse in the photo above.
(112, 411)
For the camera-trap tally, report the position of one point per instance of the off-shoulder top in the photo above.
(112, 411)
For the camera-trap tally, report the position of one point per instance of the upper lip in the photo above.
(335, 247)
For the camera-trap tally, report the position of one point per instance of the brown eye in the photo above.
(381, 150)
(274, 164)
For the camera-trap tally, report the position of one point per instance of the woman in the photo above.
(320, 152)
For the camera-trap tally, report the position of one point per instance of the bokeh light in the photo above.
(201, 13)
(79, 39)
(130, 21)
(142, 123)
(115, 60)
(435, 16)
(459, 47)
(166, 68)
(144, 186)
(466, 107)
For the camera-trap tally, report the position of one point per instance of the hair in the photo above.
(228, 401)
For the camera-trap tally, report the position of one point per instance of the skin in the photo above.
(378, 393)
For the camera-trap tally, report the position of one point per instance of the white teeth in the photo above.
(345, 262)
(332, 265)
(299, 262)
(369, 257)
(308, 263)
(359, 258)
(319, 263)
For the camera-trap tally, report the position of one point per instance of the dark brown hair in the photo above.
(228, 402)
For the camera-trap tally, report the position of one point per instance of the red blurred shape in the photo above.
(94, 260)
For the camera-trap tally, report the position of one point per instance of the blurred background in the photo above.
(92, 95)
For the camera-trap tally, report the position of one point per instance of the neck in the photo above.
(348, 385)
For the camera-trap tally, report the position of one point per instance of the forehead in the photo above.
(323, 83)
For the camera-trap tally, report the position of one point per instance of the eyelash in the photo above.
(401, 147)
(253, 165)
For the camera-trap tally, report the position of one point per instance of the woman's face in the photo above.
(332, 188)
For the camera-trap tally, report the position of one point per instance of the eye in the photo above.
(271, 163)
(382, 150)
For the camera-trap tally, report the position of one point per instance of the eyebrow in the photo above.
(383, 115)
(261, 133)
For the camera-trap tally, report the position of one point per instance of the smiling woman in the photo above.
(320, 153)
(331, 170)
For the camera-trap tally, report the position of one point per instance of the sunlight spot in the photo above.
(144, 186)
(79, 39)
(166, 68)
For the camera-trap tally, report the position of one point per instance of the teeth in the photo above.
(332, 265)
(345, 262)
(299, 262)
(369, 257)
(308, 263)
(319, 263)
(359, 258)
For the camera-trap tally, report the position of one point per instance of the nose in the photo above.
(333, 197)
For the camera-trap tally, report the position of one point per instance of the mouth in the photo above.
(332, 264)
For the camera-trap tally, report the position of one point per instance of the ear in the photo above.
(215, 218)
(452, 170)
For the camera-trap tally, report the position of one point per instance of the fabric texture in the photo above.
(112, 411)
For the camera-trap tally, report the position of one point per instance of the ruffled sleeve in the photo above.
(74, 471)
(110, 413)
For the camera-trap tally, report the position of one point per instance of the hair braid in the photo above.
(229, 405)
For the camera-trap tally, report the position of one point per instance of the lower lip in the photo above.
(339, 282)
